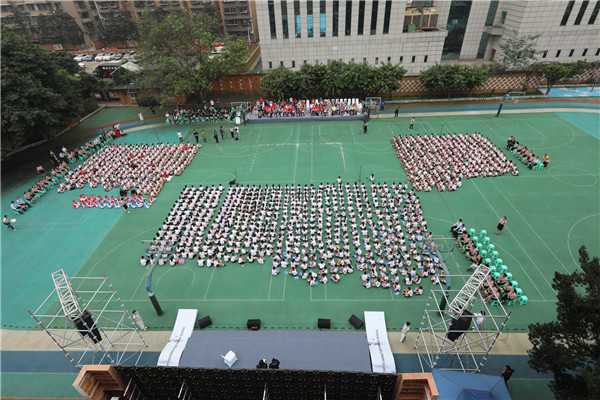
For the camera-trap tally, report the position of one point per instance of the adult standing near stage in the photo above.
(196, 136)
(222, 131)
(232, 132)
(138, 320)
(7, 222)
(153, 111)
(405, 330)
(141, 117)
(507, 373)
(396, 112)
(216, 136)
(274, 364)
(365, 123)
(501, 225)
(237, 133)
(180, 136)
(203, 133)
(412, 124)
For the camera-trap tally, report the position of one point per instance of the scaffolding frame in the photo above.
(470, 351)
(109, 337)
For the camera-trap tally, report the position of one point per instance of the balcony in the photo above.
(495, 30)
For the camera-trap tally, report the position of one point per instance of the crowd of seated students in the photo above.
(316, 233)
(39, 189)
(500, 289)
(143, 166)
(299, 108)
(442, 161)
(524, 154)
(92, 201)
(208, 112)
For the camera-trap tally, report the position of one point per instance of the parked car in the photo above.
(82, 65)
(118, 56)
(79, 57)
(99, 57)
(109, 56)
(129, 54)
(90, 57)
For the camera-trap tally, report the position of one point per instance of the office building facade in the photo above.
(419, 34)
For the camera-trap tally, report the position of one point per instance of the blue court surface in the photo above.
(588, 91)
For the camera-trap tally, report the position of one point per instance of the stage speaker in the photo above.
(324, 323)
(253, 324)
(86, 326)
(460, 325)
(204, 322)
(356, 322)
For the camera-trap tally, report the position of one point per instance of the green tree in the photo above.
(446, 77)
(179, 56)
(569, 347)
(279, 83)
(59, 27)
(38, 95)
(118, 28)
(64, 60)
(390, 77)
(475, 76)
(519, 52)
(554, 73)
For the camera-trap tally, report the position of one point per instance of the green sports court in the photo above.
(551, 213)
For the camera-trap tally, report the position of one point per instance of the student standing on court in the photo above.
(216, 135)
(6, 221)
(412, 124)
(501, 225)
(203, 135)
(222, 132)
(405, 330)
(237, 133)
(180, 136)
(365, 123)
(396, 112)
(545, 160)
(196, 136)
(138, 320)
(141, 117)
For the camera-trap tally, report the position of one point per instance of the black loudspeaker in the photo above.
(324, 323)
(253, 324)
(86, 326)
(356, 322)
(460, 325)
(204, 322)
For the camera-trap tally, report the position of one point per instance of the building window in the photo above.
(243, 10)
(456, 26)
(584, 53)
(232, 22)
(598, 52)
(374, 17)
(386, 17)
(581, 12)
(229, 10)
(425, 59)
(567, 13)
(558, 53)
(594, 13)
(132, 93)
(336, 17)
(401, 59)
(272, 19)
(297, 18)
(414, 58)
(270, 64)
(571, 52)
(361, 16)
(309, 17)
(492, 10)
(376, 60)
(364, 60)
(545, 53)
(352, 61)
(316, 62)
(284, 19)
(322, 18)
(281, 63)
(483, 43)
(348, 29)
(6, 8)
(305, 61)
(503, 17)
(293, 64)
(389, 61)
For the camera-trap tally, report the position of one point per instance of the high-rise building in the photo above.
(419, 34)
(21, 16)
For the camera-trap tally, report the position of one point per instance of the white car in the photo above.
(99, 57)
(109, 56)
(80, 57)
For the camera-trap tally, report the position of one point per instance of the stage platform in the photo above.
(307, 118)
(327, 351)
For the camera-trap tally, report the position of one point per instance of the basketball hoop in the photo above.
(516, 101)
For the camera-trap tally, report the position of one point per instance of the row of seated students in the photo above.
(39, 189)
(500, 289)
(526, 155)
(319, 234)
(299, 108)
(92, 201)
(207, 113)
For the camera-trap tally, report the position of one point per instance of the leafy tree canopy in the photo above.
(452, 77)
(118, 28)
(519, 52)
(569, 347)
(179, 54)
(59, 27)
(39, 92)
(333, 80)
(554, 73)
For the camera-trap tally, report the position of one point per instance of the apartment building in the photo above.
(419, 34)
(21, 16)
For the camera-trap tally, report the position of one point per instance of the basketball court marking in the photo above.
(569, 237)
(209, 282)
(171, 270)
(569, 183)
(530, 227)
(519, 243)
